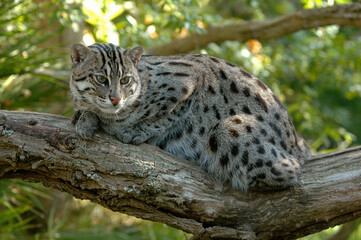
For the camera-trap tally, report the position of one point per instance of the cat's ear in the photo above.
(135, 53)
(79, 53)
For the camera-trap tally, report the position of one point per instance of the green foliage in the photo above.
(316, 73)
(20, 205)
(23, 52)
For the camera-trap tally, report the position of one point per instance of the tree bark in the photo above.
(342, 15)
(146, 182)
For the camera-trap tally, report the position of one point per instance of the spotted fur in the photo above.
(197, 107)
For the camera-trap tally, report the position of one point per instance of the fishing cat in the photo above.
(195, 106)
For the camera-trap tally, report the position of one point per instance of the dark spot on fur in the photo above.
(214, 60)
(263, 132)
(261, 150)
(273, 151)
(232, 112)
(237, 120)
(256, 141)
(247, 74)
(164, 108)
(156, 63)
(260, 118)
(246, 91)
(234, 88)
(146, 114)
(222, 73)
(225, 99)
(231, 64)
(234, 150)
(214, 128)
(233, 132)
(213, 143)
(180, 64)
(277, 116)
(224, 160)
(248, 128)
(261, 84)
(261, 176)
(180, 74)
(171, 89)
(211, 90)
(278, 101)
(163, 74)
(269, 164)
(202, 130)
(275, 172)
(283, 145)
(272, 140)
(259, 163)
(250, 167)
(246, 110)
(178, 134)
(206, 108)
(173, 99)
(184, 90)
(190, 128)
(261, 102)
(284, 164)
(218, 116)
(245, 158)
(275, 128)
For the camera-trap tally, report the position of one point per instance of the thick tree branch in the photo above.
(146, 182)
(343, 15)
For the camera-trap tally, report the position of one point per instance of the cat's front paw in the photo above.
(125, 137)
(138, 140)
(86, 125)
(84, 132)
(128, 137)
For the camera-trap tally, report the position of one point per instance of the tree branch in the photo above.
(342, 15)
(146, 182)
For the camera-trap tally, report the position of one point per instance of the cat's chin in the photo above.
(112, 110)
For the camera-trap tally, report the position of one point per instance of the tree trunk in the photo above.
(146, 182)
(342, 15)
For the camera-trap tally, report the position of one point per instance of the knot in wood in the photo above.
(2, 119)
(32, 122)
(70, 142)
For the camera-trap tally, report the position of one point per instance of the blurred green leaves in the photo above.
(25, 29)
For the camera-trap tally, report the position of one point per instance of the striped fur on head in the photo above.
(104, 78)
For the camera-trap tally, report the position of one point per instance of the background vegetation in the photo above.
(316, 73)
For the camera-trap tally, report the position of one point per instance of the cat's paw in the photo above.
(84, 132)
(125, 137)
(86, 125)
(138, 140)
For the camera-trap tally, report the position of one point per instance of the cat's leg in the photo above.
(86, 123)
(239, 154)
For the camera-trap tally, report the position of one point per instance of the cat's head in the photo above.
(104, 77)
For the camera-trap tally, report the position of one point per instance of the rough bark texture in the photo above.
(146, 182)
(343, 15)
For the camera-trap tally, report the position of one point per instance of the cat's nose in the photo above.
(115, 100)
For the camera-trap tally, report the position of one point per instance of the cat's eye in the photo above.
(125, 80)
(102, 79)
